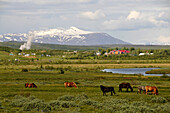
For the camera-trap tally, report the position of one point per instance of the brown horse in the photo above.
(32, 85)
(151, 89)
(70, 84)
(125, 85)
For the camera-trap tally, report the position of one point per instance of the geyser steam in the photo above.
(28, 44)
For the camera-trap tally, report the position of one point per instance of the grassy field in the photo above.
(83, 68)
(51, 95)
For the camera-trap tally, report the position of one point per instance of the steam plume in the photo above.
(28, 44)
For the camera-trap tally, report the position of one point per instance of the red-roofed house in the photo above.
(116, 52)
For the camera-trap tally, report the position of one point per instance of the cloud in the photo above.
(46, 1)
(92, 15)
(138, 20)
(133, 15)
(163, 39)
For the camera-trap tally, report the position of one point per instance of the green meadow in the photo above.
(83, 68)
(52, 96)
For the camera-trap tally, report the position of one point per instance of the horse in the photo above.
(141, 88)
(151, 89)
(70, 84)
(125, 85)
(107, 89)
(32, 85)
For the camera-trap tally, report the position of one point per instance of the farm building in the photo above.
(140, 54)
(98, 53)
(116, 52)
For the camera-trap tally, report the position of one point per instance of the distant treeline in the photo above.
(16, 45)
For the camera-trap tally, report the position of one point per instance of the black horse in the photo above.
(125, 85)
(107, 89)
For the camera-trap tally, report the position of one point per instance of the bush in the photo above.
(82, 97)
(1, 106)
(87, 102)
(158, 100)
(67, 98)
(62, 71)
(36, 105)
(55, 104)
(66, 104)
(24, 70)
(18, 101)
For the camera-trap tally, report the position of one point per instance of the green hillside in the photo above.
(16, 45)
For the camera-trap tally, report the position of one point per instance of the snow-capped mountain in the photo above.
(71, 36)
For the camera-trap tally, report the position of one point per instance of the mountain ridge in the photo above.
(71, 36)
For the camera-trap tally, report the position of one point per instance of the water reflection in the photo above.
(133, 71)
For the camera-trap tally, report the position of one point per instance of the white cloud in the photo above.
(92, 15)
(47, 1)
(138, 20)
(163, 39)
(133, 15)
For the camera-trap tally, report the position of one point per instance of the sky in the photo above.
(134, 21)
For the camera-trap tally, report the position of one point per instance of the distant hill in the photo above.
(71, 36)
(16, 45)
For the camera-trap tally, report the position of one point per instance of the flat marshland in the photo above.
(50, 74)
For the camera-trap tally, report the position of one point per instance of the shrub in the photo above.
(18, 101)
(87, 102)
(115, 101)
(24, 70)
(36, 105)
(62, 71)
(82, 97)
(67, 98)
(158, 100)
(67, 104)
(1, 106)
(55, 104)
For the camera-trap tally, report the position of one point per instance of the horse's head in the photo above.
(26, 85)
(101, 86)
(74, 84)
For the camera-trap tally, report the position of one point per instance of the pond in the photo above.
(133, 71)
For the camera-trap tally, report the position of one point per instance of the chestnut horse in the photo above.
(70, 84)
(32, 85)
(125, 85)
(151, 89)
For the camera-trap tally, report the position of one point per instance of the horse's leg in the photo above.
(127, 89)
(111, 93)
(146, 92)
(120, 89)
(114, 91)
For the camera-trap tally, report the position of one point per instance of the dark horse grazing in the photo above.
(32, 85)
(151, 89)
(141, 88)
(107, 89)
(125, 85)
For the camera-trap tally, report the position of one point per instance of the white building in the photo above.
(140, 54)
